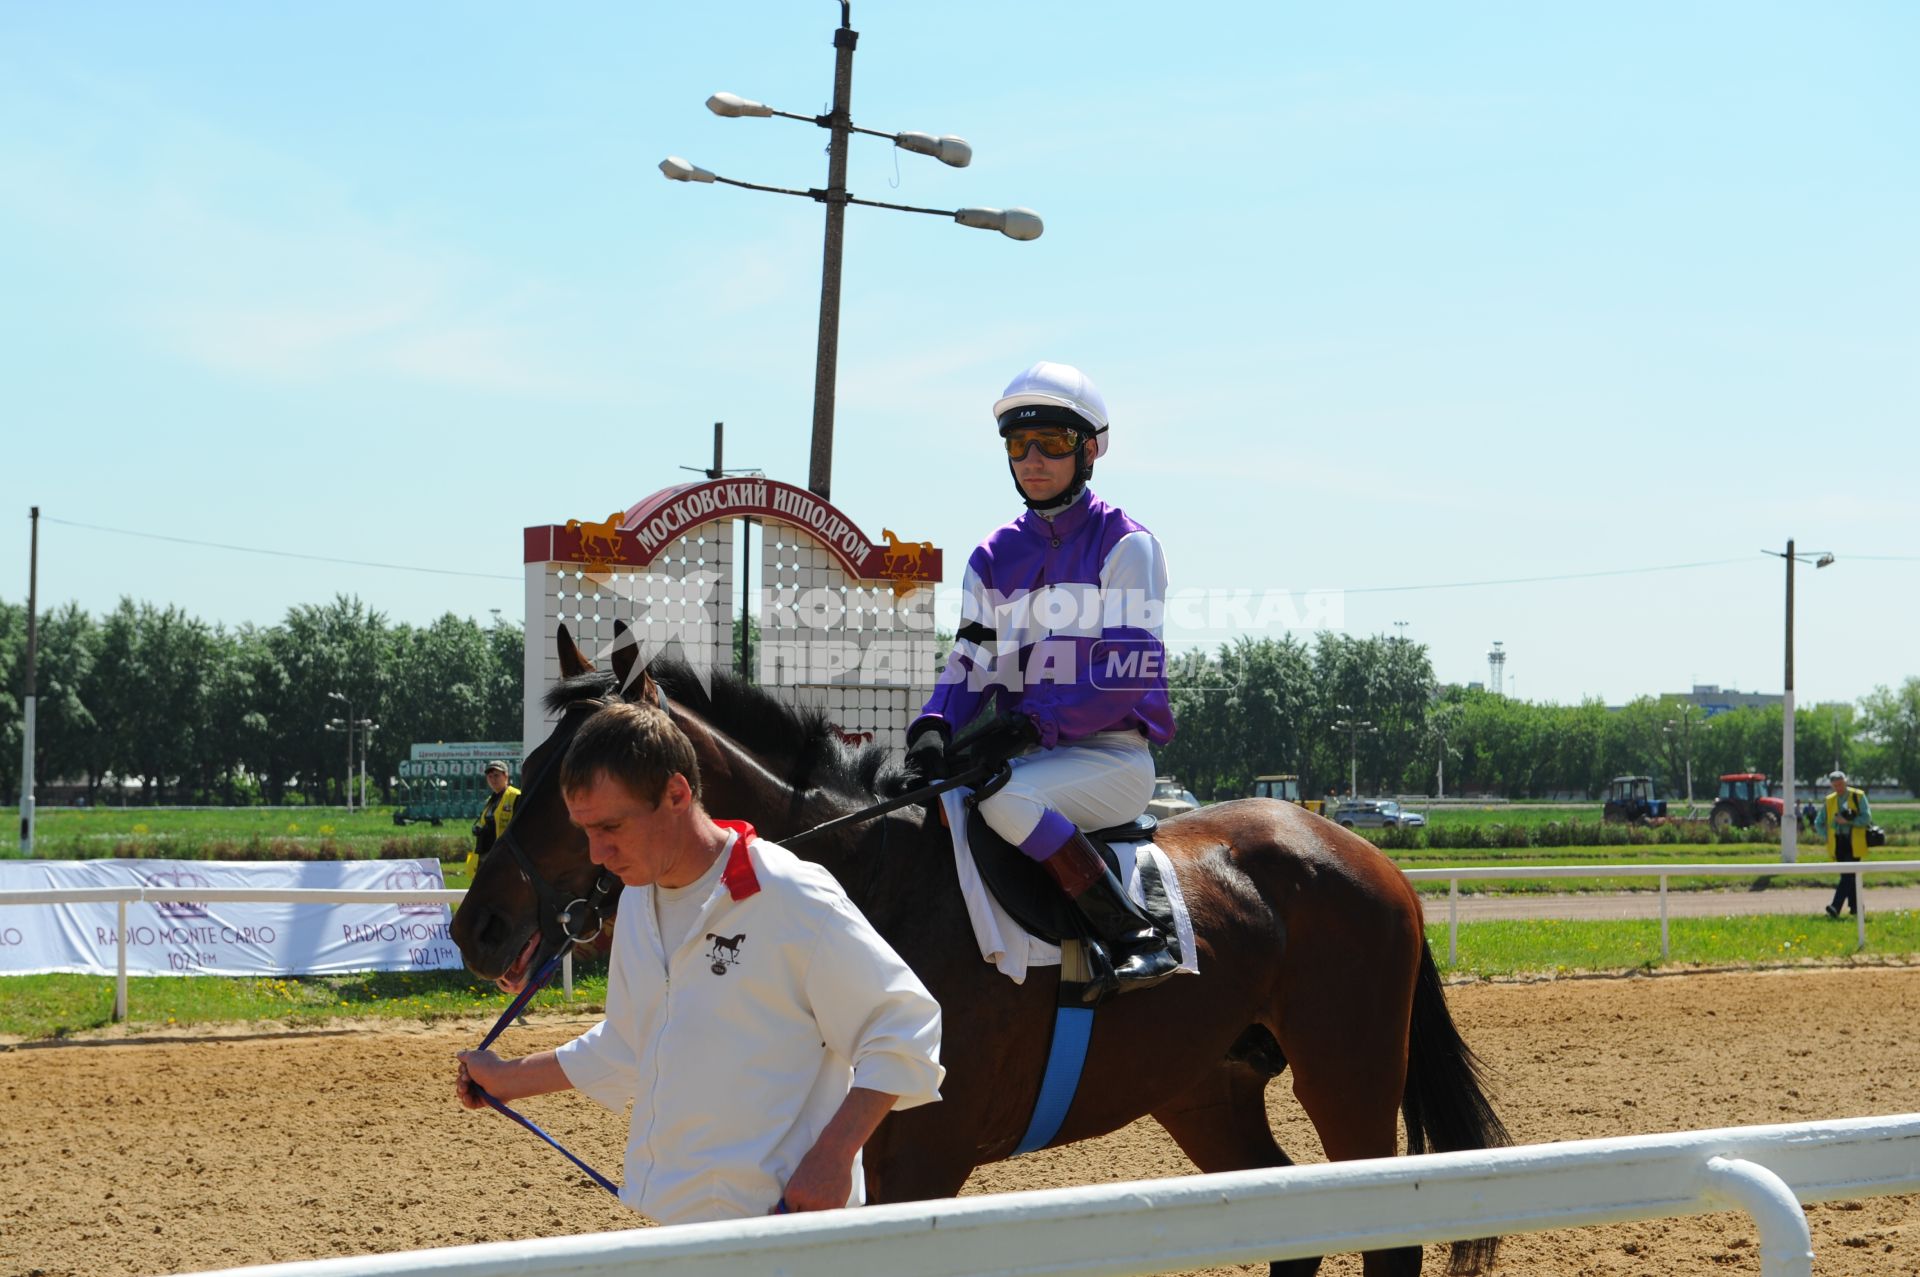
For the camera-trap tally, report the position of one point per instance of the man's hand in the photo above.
(824, 1178)
(506, 1080)
(482, 1068)
(822, 1181)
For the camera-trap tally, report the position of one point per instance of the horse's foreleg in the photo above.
(1221, 1125)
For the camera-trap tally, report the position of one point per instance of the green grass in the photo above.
(1557, 946)
(1671, 854)
(53, 1006)
(1905, 817)
(235, 833)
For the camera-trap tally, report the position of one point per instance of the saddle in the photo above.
(1025, 890)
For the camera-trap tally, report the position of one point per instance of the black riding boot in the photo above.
(1135, 952)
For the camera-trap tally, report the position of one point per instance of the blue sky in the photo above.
(1379, 295)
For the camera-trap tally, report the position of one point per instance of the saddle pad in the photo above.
(1025, 889)
(1010, 946)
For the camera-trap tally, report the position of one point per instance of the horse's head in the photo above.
(516, 913)
(779, 766)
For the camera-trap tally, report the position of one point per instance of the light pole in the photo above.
(366, 726)
(1789, 823)
(1353, 728)
(1015, 223)
(30, 692)
(345, 725)
(1685, 725)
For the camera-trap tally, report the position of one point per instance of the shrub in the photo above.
(1401, 838)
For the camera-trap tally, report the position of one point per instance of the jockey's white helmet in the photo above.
(1051, 385)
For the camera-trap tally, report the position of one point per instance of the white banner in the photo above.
(226, 937)
(480, 750)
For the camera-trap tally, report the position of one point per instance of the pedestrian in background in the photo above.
(494, 817)
(1844, 823)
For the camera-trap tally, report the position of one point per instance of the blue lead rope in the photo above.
(514, 1008)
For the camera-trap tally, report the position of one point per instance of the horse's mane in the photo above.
(798, 742)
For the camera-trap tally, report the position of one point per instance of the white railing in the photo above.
(1157, 1226)
(124, 896)
(1453, 877)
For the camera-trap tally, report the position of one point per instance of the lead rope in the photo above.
(514, 1008)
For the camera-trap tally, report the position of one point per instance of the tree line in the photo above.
(200, 713)
(1275, 705)
(194, 712)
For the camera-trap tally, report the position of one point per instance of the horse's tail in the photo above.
(1445, 1104)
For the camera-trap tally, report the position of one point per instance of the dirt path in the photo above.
(164, 1156)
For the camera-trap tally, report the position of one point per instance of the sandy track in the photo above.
(163, 1156)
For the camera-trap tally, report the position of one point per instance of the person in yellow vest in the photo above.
(494, 817)
(1844, 822)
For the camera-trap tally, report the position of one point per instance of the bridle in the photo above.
(563, 922)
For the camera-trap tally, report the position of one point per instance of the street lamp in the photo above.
(1014, 223)
(1789, 823)
(1684, 726)
(338, 725)
(367, 727)
(1353, 728)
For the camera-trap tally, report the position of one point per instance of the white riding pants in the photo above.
(1091, 783)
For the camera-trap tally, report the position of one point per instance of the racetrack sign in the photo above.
(226, 937)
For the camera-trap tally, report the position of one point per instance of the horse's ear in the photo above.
(646, 691)
(573, 662)
(626, 653)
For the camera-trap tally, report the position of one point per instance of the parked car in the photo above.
(1169, 799)
(1368, 813)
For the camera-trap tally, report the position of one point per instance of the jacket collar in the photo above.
(1063, 525)
(740, 879)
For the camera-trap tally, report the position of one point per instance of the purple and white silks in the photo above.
(1062, 620)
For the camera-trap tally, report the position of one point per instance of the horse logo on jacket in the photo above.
(724, 951)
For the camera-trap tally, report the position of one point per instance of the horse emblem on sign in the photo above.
(901, 561)
(605, 535)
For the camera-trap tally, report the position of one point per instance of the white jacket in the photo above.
(739, 1046)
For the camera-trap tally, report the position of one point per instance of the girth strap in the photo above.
(1066, 1057)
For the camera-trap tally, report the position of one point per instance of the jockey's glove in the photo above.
(1013, 734)
(926, 753)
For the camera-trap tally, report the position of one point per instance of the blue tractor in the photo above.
(1630, 801)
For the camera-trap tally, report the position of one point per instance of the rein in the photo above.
(514, 1008)
(967, 777)
(556, 920)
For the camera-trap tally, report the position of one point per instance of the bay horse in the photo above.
(1312, 952)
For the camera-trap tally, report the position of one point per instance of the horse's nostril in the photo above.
(492, 931)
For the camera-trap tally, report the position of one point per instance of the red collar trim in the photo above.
(739, 877)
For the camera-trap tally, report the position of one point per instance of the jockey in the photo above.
(1060, 635)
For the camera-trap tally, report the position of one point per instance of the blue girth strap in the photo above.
(514, 1008)
(1072, 1027)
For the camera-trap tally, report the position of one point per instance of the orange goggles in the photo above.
(1053, 441)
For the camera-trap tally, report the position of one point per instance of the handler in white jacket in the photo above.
(758, 1023)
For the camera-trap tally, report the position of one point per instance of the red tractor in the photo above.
(1746, 799)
